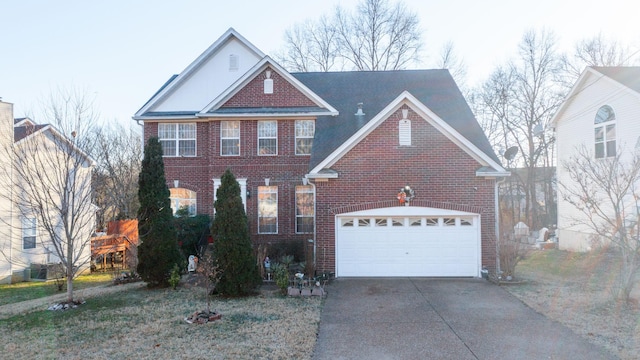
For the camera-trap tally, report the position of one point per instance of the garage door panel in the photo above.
(408, 250)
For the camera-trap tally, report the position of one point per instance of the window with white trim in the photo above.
(268, 137)
(304, 209)
(267, 209)
(605, 132)
(183, 200)
(305, 131)
(29, 232)
(230, 138)
(177, 139)
(243, 190)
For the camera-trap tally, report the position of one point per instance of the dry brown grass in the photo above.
(139, 323)
(577, 291)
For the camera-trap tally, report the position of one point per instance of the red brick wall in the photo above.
(284, 94)
(285, 170)
(375, 170)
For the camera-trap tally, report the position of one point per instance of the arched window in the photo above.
(183, 200)
(605, 132)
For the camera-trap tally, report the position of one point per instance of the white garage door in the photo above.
(408, 241)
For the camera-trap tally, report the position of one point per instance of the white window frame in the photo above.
(271, 192)
(29, 231)
(229, 134)
(604, 125)
(177, 202)
(300, 129)
(179, 134)
(243, 191)
(305, 189)
(267, 133)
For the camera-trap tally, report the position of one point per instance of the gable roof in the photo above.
(21, 133)
(176, 80)
(625, 76)
(434, 89)
(215, 106)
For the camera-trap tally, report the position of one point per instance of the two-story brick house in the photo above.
(386, 173)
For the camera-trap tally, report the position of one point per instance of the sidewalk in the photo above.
(27, 306)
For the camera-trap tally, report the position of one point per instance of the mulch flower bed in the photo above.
(203, 317)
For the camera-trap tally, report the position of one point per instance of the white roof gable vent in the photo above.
(234, 62)
(268, 82)
(404, 129)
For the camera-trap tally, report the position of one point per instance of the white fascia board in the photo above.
(322, 175)
(24, 121)
(196, 63)
(426, 114)
(161, 118)
(493, 174)
(250, 75)
(249, 116)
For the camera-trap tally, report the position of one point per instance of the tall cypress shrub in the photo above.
(232, 250)
(158, 250)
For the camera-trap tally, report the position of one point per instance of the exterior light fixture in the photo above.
(266, 181)
(176, 183)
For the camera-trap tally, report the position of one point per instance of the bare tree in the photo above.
(50, 176)
(605, 192)
(448, 59)
(118, 154)
(595, 51)
(378, 35)
(520, 100)
(311, 46)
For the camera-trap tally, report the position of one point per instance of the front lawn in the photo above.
(149, 324)
(577, 290)
(37, 289)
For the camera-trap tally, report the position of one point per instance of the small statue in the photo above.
(193, 263)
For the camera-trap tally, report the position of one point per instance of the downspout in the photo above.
(315, 245)
(497, 219)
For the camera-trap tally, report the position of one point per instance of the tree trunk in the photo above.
(69, 289)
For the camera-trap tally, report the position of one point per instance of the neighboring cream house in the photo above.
(24, 240)
(601, 113)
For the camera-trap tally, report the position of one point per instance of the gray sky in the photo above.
(122, 51)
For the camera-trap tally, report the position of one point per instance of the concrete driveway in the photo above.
(414, 318)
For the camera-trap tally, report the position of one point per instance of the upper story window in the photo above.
(230, 138)
(267, 209)
(605, 132)
(177, 139)
(29, 232)
(183, 201)
(268, 137)
(305, 130)
(304, 209)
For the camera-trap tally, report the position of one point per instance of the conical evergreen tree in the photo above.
(232, 250)
(158, 251)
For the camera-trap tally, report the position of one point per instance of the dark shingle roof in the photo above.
(436, 89)
(628, 76)
(21, 132)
